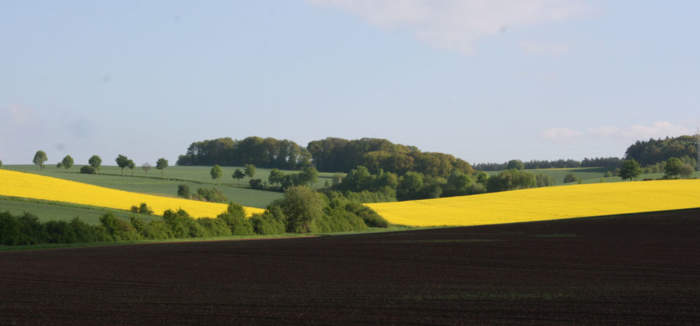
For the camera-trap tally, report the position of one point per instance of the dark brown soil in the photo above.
(635, 269)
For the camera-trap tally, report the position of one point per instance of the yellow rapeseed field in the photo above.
(545, 203)
(18, 184)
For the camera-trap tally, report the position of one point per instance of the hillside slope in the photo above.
(547, 203)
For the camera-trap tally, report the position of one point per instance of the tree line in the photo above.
(608, 163)
(95, 162)
(302, 210)
(262, 152)
(655, 151)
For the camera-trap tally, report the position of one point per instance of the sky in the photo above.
(484, 80)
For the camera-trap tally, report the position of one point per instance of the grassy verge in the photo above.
(393, 228)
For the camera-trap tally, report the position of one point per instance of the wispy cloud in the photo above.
(543, 48)
(657, 129)
(560, 134)
(458, 24)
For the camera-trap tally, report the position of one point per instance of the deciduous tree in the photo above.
(40, 158)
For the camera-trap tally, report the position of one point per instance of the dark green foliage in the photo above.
(306, 177)
(249, 170)
(272, 221)
(510, 180)
(142, 209)
(40, 158)
(131, 165)
(368, 215)
(673, 167)
(0, 163)
(118, 228)
(95, 162)
(27, 230)
(301, 206)
(183, 191)
(67, 162)
(161, 165)
(630, 169)
(214, 227)
(256, 184)
(515, 165)
(686, 171)
(215, 172)
(182, 225)
(569, 178)
(341, 155)
(210, 194)
(235, 219)
(608, 163)
(266, 153)
(87, 169)
(122, 162)
(659, 150)
(410, 186)
(542, 180)
(238, 174)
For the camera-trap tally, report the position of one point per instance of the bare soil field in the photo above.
(632, 269)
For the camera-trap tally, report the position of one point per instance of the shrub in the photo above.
(182, 225)
(368, 215)
(272, 221)
(211, 195)
(569, 178)
(142, 209)
(118, 229)
(88, 170)
(214, 227)
(235, 219)
(183, 191)
(256, 183)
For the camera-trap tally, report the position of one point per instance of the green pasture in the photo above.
(166, 184)
(57, 211)
(587, 175)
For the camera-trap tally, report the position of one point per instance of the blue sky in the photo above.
(483, 80)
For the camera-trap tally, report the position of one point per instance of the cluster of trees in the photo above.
(608, 163)
(655, 151)
(277, 180)
(388, 186)
(301, 210)
(342, 155)
(203, 194)
(262, 152)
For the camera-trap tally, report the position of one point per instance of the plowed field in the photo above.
(634, 269)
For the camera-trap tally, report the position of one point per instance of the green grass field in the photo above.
(166, 185)
(587, 175)
(56, 211)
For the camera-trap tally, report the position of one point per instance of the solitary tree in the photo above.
(673, 167)
(67, 162)
(122, 162)
(630, 169)
(95, 161)
(215, 172)
(569, 178)
(131, 165)
(161, 164)
(146, 167)
(250, 170)
(40, 158)
(238, 174)
(0, 163)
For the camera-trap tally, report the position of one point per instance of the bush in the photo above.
(256, 183)
(211, 195)
(235, 219)
(183, 191)
(118, 229)
(272, 221)
(569, 178)
(368, 215)
(142, 209)
(181, 225)
(214, 227)
(88, 170)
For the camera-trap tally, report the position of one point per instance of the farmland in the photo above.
(152, 182)
(634, 269)
(545, 203)
(26, 185)
(586, 175)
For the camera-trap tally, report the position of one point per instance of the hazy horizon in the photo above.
(484, 81)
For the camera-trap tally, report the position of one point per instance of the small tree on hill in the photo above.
(215, 172)
(161, 164)
(238, 174)
(250, 170)
(122, 162)
(183, 191)
(40, 158)
(570, 178)
(131, 165)
(95, 162)
(67, 162)
(630, 169)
